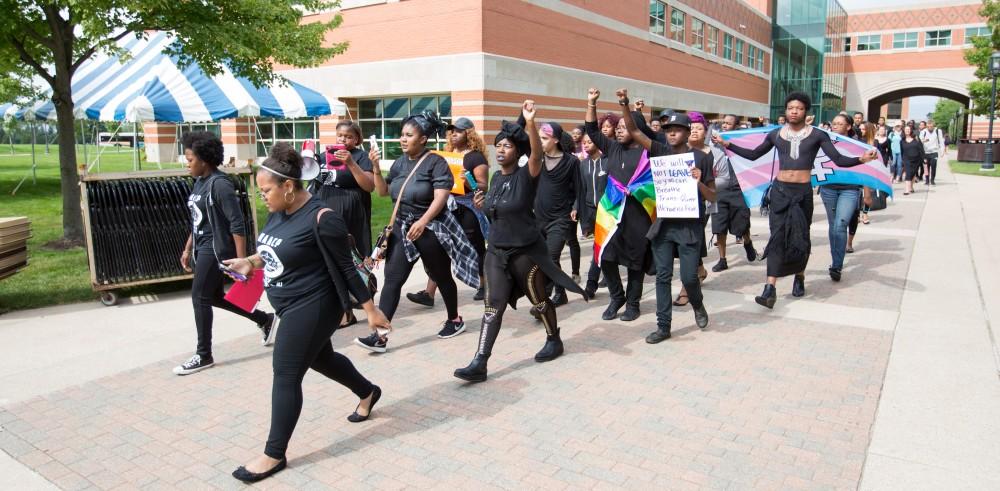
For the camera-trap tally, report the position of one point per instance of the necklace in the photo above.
(794, 139)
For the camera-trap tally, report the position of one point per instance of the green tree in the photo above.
(979, 56)
(944, 115)
(51, 39)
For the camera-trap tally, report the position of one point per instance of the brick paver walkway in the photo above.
(761, 399)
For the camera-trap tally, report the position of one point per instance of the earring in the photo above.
(289, 197)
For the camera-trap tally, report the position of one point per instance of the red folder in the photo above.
(246, 294)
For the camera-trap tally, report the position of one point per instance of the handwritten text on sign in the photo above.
(676, 191)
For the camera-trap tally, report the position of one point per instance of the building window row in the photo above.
(383, 117)
(704, 37)
(909, 40)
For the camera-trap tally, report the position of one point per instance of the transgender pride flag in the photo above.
(755, 176)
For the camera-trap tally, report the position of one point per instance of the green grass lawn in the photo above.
(972, 169)
(61, 276)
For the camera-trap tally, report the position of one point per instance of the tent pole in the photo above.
(83, 133)
(34, 178)
(135, 146)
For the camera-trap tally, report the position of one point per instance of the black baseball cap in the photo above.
(678, 119)
(666, 113)
(461, 124)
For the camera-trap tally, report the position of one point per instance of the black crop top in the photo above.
(809, 147)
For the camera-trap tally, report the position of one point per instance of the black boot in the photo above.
(553, 349)
(591, 291)
(799, 286)
(700, 316)
(476, 371)
(720, 266)
(612, 311)
(659, 335)
(559, 298)
(751, 252)
(768, 297)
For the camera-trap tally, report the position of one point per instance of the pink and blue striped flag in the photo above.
(755, 176)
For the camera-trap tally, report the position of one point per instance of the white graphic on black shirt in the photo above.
(272, 264)
(196, 215)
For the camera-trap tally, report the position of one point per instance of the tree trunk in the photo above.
(68, 176)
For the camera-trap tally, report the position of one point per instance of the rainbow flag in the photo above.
(755, 176)
(612, 204)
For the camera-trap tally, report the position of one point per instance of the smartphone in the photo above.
(373, 142)
(332, 162)
(232, 274)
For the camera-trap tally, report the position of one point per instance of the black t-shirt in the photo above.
(472, 160)
(508, 208)
(557, 189)
(809, 147)
(226, 216)
(343, 178)
(419, 194)
(293, 266)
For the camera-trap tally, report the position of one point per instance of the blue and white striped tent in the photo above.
(147, 85)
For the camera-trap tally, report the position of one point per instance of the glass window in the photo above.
(712, 40)
(739, 52)
(727, 47)
(847, 44)
(751, 56)
(902, 40)
(657, 17)
(827, 45)
(938, 38)
(697, 34)
(305, 130)
(677, 25)
(284, 130)
(976, 32)
(384, 119)
(294, 132)
(872, 42)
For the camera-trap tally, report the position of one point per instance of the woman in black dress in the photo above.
(911, 150)
(309, 299)
(517, 260)
(628, 246)
(790, 194)
(345, 184)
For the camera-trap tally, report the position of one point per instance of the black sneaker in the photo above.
(372, 343)
(479, 296)
(268, 330)
(451, 328)
(658, 336)
(421, 297)
(194, 364)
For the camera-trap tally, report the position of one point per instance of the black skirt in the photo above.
(350, 203)
(791, 211)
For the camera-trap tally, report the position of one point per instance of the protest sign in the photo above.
(676, 191)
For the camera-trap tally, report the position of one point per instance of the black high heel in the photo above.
(357, 418)
(768, 297)
(244, 475)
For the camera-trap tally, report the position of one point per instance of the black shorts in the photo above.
(733, 216)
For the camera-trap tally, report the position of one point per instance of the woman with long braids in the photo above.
(463, 138)
(309, 299)
(218, 232)
(419, 183)
(626, 245)
(517, 259)
(790, 194)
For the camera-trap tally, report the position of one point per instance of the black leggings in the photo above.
(527, 277)
(470, 224)
(303, 342)
(437, 264)
(574, 248)
(207, 292)
(556, 234)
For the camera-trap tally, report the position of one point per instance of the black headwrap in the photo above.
(429, 122)
(515, 133)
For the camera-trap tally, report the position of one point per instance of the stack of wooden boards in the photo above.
(14, 235)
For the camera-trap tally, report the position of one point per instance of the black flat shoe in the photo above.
(658, 336)
(767, 297)
(630, 314)
(357, 418)
(720, 266)
(799, 286)
(246, 476)
(701, 316)
(834, 274)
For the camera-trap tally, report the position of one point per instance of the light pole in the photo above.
(988, 155)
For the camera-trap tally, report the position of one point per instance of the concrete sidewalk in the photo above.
(938, 422)
(887, 380)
